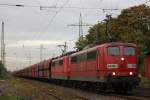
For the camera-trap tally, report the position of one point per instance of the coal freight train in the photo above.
(106, 66)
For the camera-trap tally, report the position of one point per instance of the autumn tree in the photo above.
(81, 43)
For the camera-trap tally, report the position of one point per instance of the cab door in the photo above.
(100, 62)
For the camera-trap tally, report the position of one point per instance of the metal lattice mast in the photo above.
(2, 46)
(41, 51)
(80, 25)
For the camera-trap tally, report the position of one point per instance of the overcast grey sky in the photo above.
(26, 28)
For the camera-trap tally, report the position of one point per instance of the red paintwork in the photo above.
(83, 69)
(122, 70)
(98, 67)
(60, 71)
(86, 70)
(147, 69)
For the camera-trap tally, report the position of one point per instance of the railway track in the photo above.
(138, 94)
(55, 96)
(136, 98)
(58, 97)
(131, 97)
(128, 96)
(61, 98)
(84, 94)
(116, 96)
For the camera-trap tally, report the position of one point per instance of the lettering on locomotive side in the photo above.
(112, 65)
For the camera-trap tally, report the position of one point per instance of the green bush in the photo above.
(3, 72)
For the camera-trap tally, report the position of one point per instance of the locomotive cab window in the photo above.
(91, 55)
(57, 63)
(73, 59)
(81, 57)
(113, 51)
(60, 62)
(129, 51)
(53, 64)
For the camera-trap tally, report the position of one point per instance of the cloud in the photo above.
(31, 43)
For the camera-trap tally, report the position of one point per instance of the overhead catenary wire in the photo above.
(147, 1)
(57, 7)
(56, 3)
(75, 7)
(53, 17)
(59, 11)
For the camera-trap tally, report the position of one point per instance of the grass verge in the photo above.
(10, 97)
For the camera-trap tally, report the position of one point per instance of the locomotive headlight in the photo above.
(122, 59)
(113, 73)
(131, 73)
(131, 65)
(112, 65)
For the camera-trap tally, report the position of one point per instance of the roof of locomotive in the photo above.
(104, 45)
(94, 48)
